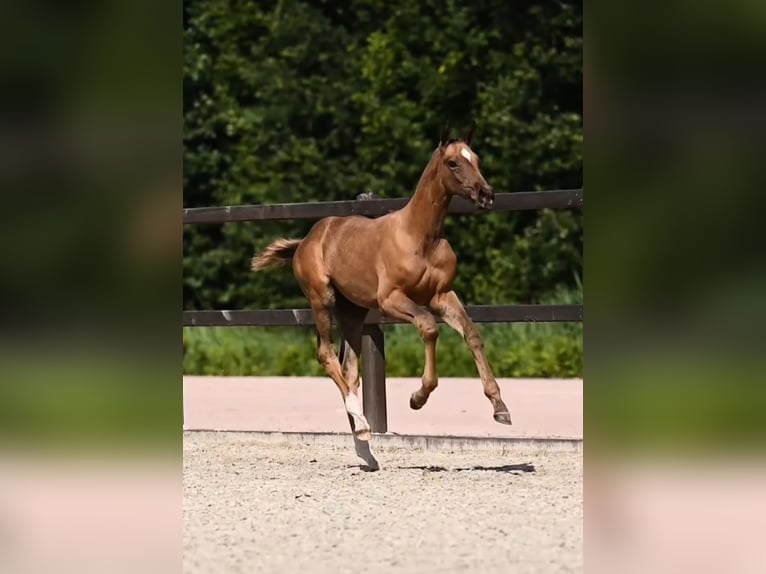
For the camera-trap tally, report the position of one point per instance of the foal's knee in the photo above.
(428, 328)
(473, 339)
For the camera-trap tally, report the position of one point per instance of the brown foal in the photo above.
(398, 263)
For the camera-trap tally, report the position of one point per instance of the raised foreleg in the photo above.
(397, 304)
(448, 306)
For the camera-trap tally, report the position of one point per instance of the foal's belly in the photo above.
(350, 256)
(357, 285)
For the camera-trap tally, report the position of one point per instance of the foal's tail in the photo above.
(279, 252)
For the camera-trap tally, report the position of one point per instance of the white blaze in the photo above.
(466, 154)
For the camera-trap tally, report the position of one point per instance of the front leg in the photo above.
(397, 304)
(448, 307)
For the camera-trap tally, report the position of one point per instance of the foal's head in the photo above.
(458, 170)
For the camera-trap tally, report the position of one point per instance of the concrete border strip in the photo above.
(410, 442)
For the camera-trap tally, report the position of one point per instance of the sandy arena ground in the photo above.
(255, 507)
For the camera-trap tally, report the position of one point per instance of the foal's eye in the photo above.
(452, 164)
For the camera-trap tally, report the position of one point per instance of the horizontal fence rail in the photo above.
(521, 201)
(373, 344)
(303, 317)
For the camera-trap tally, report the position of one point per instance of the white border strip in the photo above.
(410, 442)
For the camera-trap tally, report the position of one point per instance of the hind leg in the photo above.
(315, 284)
(329, 360)
(321, 296)
(351, 321)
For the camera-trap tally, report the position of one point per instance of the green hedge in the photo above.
(542, 350)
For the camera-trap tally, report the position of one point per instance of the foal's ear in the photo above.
(469, 135)
(445, 136)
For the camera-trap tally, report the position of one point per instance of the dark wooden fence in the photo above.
(373, 345)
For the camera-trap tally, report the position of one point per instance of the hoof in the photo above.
(364, 434)
(414, 404)
(503, 418)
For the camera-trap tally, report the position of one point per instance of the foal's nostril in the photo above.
(487, 195)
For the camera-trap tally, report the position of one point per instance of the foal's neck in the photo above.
(425, 212)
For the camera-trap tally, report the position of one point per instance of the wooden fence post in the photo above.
(374, 378)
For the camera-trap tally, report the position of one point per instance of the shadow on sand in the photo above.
(507, 468)
(510, 468)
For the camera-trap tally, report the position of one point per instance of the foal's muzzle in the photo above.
(484, 197)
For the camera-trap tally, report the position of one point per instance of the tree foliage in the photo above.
(295, 101)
